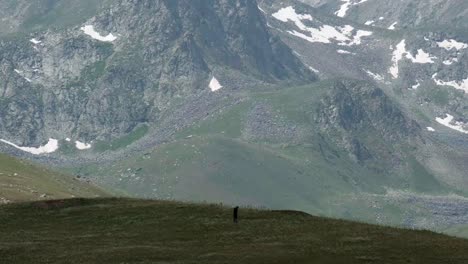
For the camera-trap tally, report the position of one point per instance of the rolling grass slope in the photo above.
(134, 231)
(23, 181)
(269, 151)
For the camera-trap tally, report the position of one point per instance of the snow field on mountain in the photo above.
(343, 36)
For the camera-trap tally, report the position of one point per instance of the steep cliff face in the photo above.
(127, 61)
(354, 114)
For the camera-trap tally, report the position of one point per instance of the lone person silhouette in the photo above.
(236, 213)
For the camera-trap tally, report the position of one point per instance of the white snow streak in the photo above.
(324, 33)
(312, 69)
(50, 147)
(215, 85)
(289, 13)
(416, 86)
(20, 73)
(82, 146)
(392, 26)
(450, 61)
(35, 41)
(460, 85)
(89, 30)
(347, 4)
(397, 56)
(448, 122)
(398, 53)
(376, 76)
(263, 11)
(421, 57)
(452, 44)
(344, 52)
(430, 129)
(359, 35)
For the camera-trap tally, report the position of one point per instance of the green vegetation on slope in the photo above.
(122, 142)
(23, 181)
(269, 150)
(132, 231)
(59, 14)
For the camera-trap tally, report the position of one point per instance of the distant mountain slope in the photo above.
(121, 63)
(133, 231)
(422, 70)
(336, 148)
(401, 14)
(22, 17)
(22, 181)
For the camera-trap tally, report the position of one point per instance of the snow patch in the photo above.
(421, 57)
(323, 34)
(452, 44)
(68, 139)
(398, 53)
(392, 26)
(313, 69)
(359, 35)
(215, 85)
(82, 146)
(289, 13)
(375, 76)
(416, 86)
(459, 85)
(396, 57)
(430, 129)
(89, 30)
(345, 52)
(448, 122)
(51, 146)
(450, 61)
(35, 41)
(462, 85)
(369, 22)
(347, 4)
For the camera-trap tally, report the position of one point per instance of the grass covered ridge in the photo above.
(24, 181)
(136, 231)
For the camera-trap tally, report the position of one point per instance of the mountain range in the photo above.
(349, 109)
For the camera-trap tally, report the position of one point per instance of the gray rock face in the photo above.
(264, 123)
(354, 113)
(71, 85)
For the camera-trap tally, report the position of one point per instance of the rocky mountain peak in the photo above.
(125, 62)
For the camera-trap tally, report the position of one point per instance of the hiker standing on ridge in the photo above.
(235, 215)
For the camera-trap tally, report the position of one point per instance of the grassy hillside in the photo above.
(23, 181)
(133, 231)
(269, 150)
